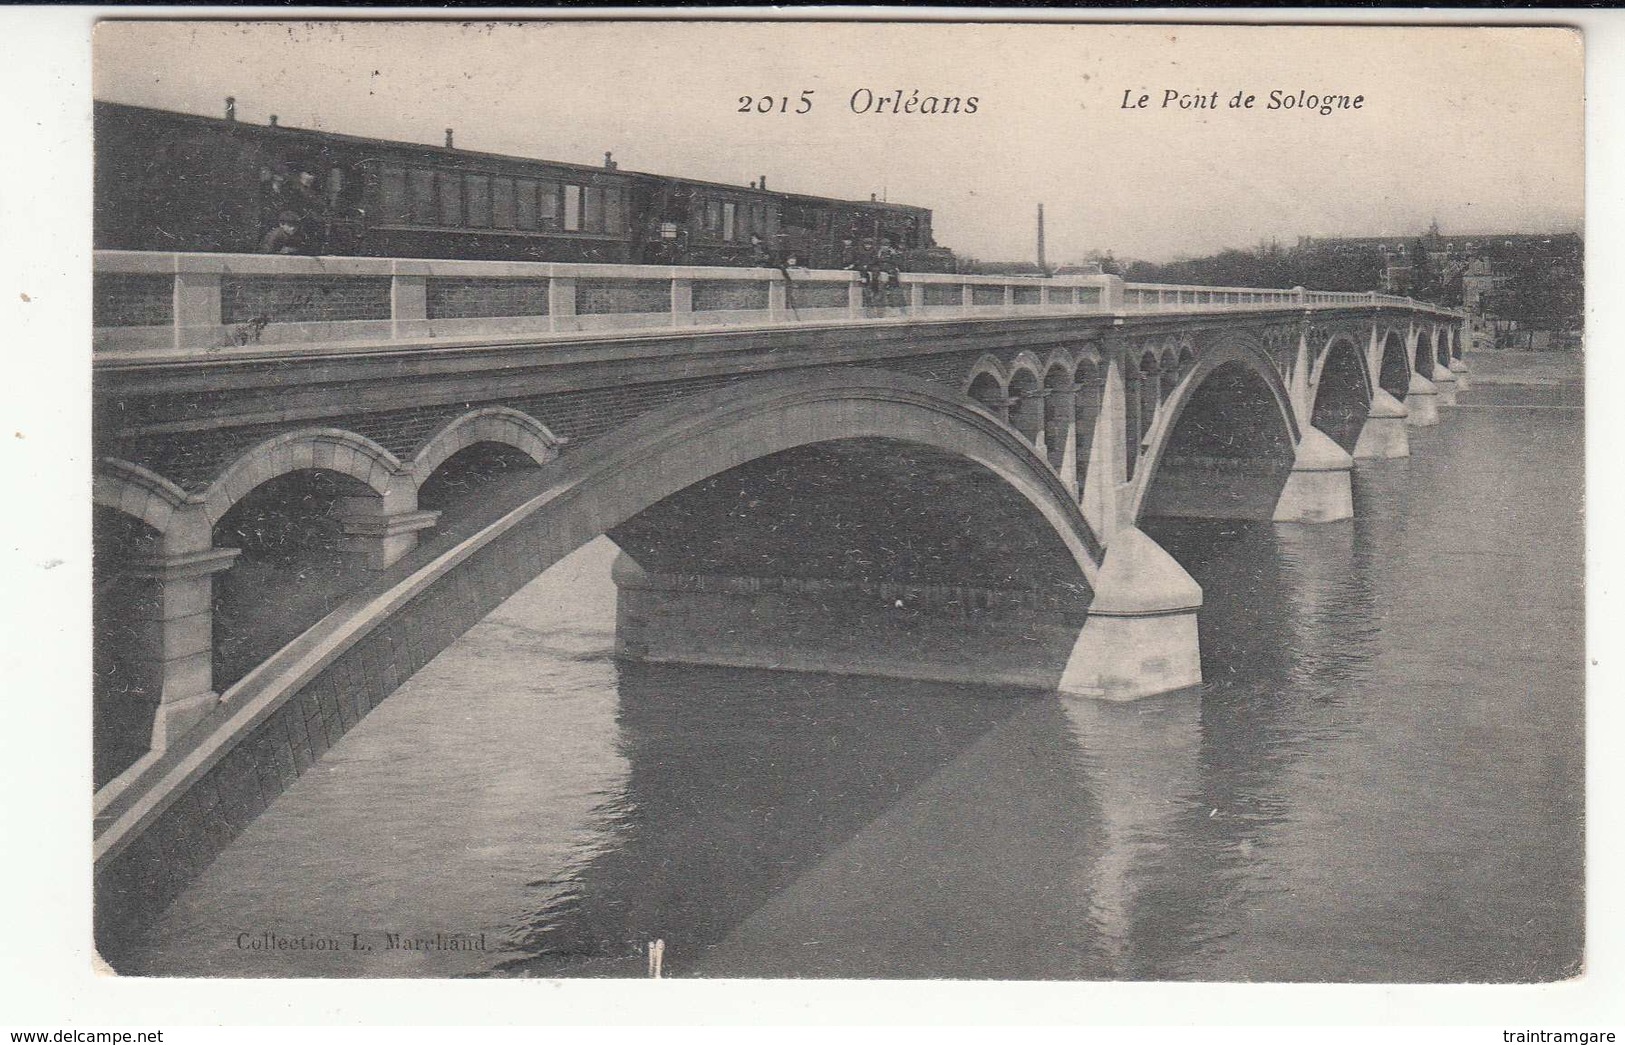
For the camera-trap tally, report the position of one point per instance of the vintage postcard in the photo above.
(838, 499)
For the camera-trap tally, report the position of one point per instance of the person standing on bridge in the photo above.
(761, 256)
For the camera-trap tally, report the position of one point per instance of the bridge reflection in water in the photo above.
(1366, 788)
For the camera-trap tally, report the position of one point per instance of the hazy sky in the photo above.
(1479, 128)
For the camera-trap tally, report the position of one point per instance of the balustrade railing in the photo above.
(149, 304)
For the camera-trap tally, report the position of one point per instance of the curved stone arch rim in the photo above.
(1027, 361)
(990, 365)
(1236, 348)
(1318, 367)
(264, 690)
(219, 497)
(1060, 358)
(441, 444)
(115, 479)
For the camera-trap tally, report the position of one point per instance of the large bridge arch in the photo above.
(1393, 365)
(1340, 390)
(1422, 360)
(378, 639)
(1232, 408)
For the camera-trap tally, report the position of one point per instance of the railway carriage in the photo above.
(181, 182)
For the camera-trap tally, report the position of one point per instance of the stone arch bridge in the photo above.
(944, 485)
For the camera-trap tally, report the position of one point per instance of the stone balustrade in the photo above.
(153, 305)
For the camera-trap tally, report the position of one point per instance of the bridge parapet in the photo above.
(152, 305)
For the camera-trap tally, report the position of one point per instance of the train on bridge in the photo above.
(175, 181)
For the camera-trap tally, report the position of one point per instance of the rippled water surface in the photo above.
(1381, 780)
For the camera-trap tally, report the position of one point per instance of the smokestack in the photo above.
(609, 160)
(231, 109)
(273, 119)
(448, 138)
(763, 183)
(1043, 266)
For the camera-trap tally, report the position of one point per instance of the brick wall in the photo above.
(303, 299)
(473, 298)
(715, 295)
(600, 296)
(819, 295)
(129, 300)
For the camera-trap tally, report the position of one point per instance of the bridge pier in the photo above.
(931, 632)
(172, 621)
(1444, 380)
(385, 528)
(1319, 488)
(1422, 402)
(1384, 435)
(1140, 637)
(1458, 367)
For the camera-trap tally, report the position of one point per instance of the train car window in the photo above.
(614, 213)
(713, 216)
(335, 186)
(572, 208)
(729, 211)
(478, 190)
(451, 198)
(594, 220)
(548, 196)
(524, 210)
(423, 198)
(392, 195)
(502, 203)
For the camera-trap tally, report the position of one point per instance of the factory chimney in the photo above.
(448, 139)
(231, 109)
(1043, 266)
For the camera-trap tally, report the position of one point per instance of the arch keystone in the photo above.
(1140, 638)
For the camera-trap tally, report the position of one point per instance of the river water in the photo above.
(1381, 780)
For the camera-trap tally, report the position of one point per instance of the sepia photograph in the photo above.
(837, 499)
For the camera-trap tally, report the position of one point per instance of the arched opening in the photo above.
(1087, 404)
(1229, 452)
(1027, 406)
(986, 389)
(127, 651)
(1150, 391)
(1342, 398)
(476, 484)
(854, 555)
(1395, 374)
(296, 565)
(1059, 412)
(1441, 348)
(1424, 354)
(1187, 360)
(1171, 374)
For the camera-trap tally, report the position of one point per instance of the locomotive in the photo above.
(175, 181)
